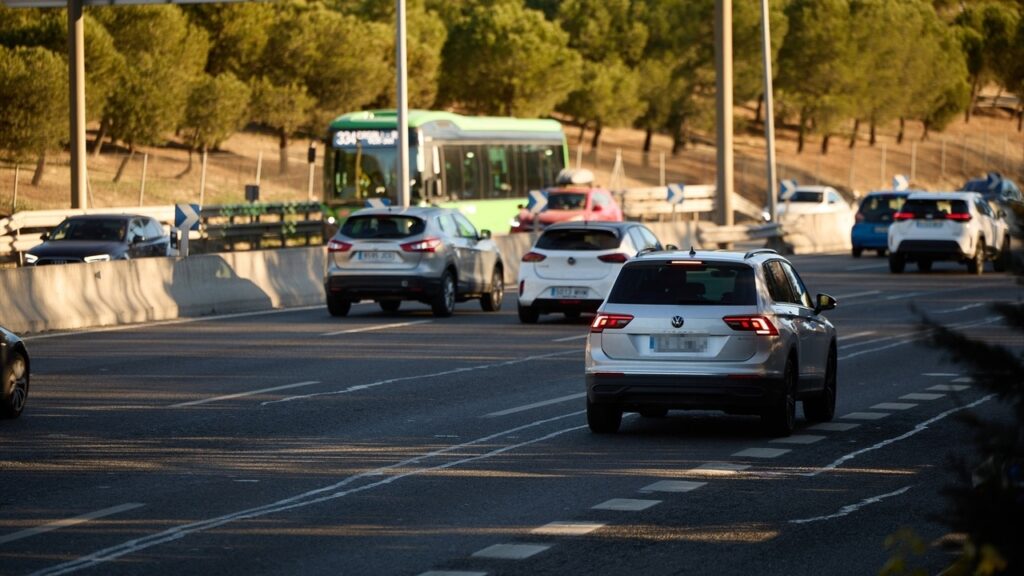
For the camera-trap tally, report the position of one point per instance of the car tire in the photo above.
(603, 418)
(390, 305)
(856, 251)
(897, 263)
(977, 263)
(654, 412)
(491, 301)
(15, 382)
(528, 314)
(822, 408)
(924, 265)
(337, 305)
(443, 304)
(1002, 261)
(780, 419)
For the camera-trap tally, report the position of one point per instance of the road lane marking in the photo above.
(761, 452)
(949, 387)
(961, 308)
(567, 528)
(451, 573)
(919, 428)
(717, 469)
(66, 522)
(377, 327)
(340, 489)
(243, 394)
(921, 396)
(834, 426)
(865, 416)
(913, 337)
(626, 504)
(799, 439)
(940, 374)
(855, 335)
(511, 551)
(361, 387)
(858, 294)
(569, 338)
(894, 406)
(866, 267)
(673, 486)
(907, 295)
(847, 510)
(964, 380)
(536, 405)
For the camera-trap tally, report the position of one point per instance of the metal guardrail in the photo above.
(652, 203)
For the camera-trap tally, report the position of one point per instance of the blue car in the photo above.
(871, 229)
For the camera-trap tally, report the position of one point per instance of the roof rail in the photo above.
(757, 251)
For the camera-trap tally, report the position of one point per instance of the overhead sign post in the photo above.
(403, 106)
(186, 219)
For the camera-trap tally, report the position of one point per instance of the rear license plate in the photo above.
(377, 256)
(881, 229)
(679, 343)
(569, 292)
(928, 224)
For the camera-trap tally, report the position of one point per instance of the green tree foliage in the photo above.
(33, 117)
(502, 58)
(238, 35)
(987, 33)
(217, 108)
(285, 108)
(937, 74)
(609, 95)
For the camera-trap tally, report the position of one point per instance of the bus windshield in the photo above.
(361, 173)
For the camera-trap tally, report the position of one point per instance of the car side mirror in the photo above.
(485, 235)
(598, 208)
(138, 240)
(824, 302)
(44, 236)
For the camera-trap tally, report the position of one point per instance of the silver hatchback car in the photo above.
(728, 331)
(431, 255)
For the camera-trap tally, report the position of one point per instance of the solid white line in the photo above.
(919, 428)
(847, 510)
(855, 335)
(241, 394)
(536, 405)
(361, 387)
(316, 496)
(918, 336)
(717, 469)
(907, 295)
(174, 322)
(962, 308)
(56, 525)
(377, 327)
(866, 267)
(858, 295)
(580, 337)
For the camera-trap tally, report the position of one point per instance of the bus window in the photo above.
(537, 167)
(472, 181)
(500, 182)
(452, 173)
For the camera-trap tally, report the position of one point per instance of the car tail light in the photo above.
(616, 258)
(899, 216)
(425, 245)
(959, 216)
(533, 257)
(338, 246)
(610, 322)
(757, 324)
(859, 217)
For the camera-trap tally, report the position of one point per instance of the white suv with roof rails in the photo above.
(728, 331)
(958, 226)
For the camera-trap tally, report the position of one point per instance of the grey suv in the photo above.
(728, 331)
(431, 255)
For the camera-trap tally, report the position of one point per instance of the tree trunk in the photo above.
(648, 136)
(1020, 117)
(97, 145)
(188, 167)
(927, 127)
(903, 125)
(802, 132)
(124, 163)
(678, 137)
(597, 135)
(583, 132)
(874, 134)
(283, 151)
(853, 137)
(974, 97)
(760, 104)
(37, 176)
(824, 144)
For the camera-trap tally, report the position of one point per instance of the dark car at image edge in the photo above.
(14, 374)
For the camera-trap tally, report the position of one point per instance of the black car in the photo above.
(995, 187)
(14, 374)
(100, 237)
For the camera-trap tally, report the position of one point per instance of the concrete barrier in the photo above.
(814, 233)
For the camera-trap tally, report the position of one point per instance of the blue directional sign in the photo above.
(993, 179)
(537, 201)
(377, 203)
(186, 216)
(900, 182)
(787, 187)
(675, 193)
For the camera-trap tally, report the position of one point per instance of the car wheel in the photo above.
(1002, 261)
(443, 304)
(603, 418)
(881, 252)
(977, 263)
(924, 265)
(896, 263)
(822, 408)
(390, 305)
(780, 419)
(857, 251)
(528, 314)
(15, 380)
(491, 301)
(654, 412)
(572, 314)
(337, 305)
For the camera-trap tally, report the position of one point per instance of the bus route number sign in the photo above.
(369, 138)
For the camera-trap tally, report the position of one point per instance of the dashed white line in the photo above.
(847, 510)
(511, 551)
(569, 338)
(940, 374)
(452, 573)
(799, 439)
(858, 294)
(567, 528)
(921, 396)
(243, 394)
(855, 335)
(961, 308)
(626, 504)
(964, 379)
(833, 426)
(536, 405)
(949, 387)
(377, 327)
(894, 406)
(762, 452)
(865, 416)
(717, 469)
(907, 295)
(673, 486)
(64, 523)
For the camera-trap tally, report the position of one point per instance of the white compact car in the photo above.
(572, 266)
(957, 226)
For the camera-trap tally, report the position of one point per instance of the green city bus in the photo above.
(484, 166)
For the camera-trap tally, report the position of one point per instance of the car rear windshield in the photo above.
(579, 239)
(708, 283)
(881, 207)
(91, 229)
(934, 208)
(567, 201)
(382, 226)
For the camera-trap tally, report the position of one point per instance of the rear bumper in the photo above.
(931, 250)
(864, 236)
(356, 288)
(736, 395)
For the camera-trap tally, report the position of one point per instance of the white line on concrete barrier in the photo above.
(377, 327)
(64, 523)
(242, 394)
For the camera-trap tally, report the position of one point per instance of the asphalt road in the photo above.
(296, 443)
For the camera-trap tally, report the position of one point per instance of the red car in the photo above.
(571, 203)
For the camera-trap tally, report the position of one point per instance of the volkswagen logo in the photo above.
(572, 261)
(677, 321)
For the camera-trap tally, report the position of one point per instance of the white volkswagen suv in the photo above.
(958, 226)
